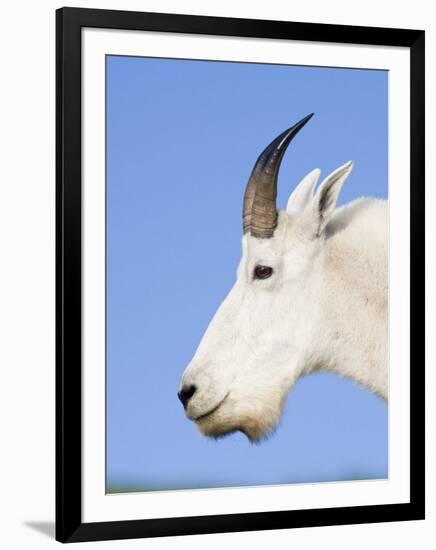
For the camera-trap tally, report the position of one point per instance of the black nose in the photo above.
(186, 393)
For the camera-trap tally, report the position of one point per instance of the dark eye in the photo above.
(262, 272)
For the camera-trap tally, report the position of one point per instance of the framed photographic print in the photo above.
(240, 274)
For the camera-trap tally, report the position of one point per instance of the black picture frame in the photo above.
(69, 525)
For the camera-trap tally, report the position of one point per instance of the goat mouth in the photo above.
(210, 413)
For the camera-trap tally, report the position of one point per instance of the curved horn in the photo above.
(259, 212)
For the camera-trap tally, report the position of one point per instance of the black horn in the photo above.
(260, 212)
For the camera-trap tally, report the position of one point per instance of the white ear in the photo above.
(302, 194)
(319, 212)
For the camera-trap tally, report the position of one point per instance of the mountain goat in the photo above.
(311, 294)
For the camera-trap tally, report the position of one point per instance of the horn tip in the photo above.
(306, 118)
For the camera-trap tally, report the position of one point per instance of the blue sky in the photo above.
(182, 137)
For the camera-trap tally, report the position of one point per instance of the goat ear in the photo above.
(302, 194)
(320, 210)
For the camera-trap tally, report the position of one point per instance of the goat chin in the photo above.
(257, 423)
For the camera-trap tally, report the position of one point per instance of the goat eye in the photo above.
(262, 272)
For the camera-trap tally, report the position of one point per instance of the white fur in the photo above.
(323, 309)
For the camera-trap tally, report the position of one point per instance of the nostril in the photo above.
(186, 393)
